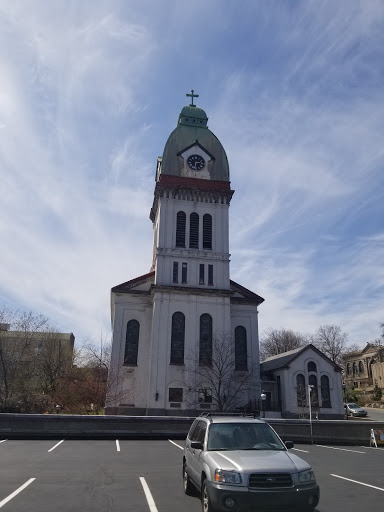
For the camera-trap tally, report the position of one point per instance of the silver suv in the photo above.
(239, 464)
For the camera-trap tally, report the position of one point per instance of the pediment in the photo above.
(242, 294)
(193, 150)
(140, 284)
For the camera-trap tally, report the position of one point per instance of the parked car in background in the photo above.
(240, 464)
(355, 410)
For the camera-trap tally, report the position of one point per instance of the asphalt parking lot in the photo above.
(145, 476)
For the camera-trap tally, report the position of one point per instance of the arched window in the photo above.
(180, 229)
(325, 392)
(348, 368)
(241, 363)
(194, 231)
(361, 367)
(131, 343)
(314, 392)
(177, 338)
(300, 390)
(205, 352)
(312, 367)
(207, 231)
(354, 368)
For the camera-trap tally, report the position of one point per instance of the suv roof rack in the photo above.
(241, 414)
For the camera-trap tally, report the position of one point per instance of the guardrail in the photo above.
(44, 426)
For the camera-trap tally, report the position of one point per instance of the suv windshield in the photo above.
(243, 436)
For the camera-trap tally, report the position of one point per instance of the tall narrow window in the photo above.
(194, 231)
(175, 277)
(131, 343)
(180, 229)
(201, 274)
(210, 275)
(205, 353)
(241, 363)
(300, 390)
(207, 231)
(325, 392)
(314, 392)
(177, 338)
(183, 272)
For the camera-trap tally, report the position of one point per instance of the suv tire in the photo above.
(187, 484)
(206, 505)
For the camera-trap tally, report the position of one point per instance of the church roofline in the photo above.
(125, 287)
(248, 294)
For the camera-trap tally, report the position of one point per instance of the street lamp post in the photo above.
(263, 397)
(344, 392)
(310, 387)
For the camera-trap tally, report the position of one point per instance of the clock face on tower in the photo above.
(196, 162)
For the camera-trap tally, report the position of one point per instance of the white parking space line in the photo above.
(117, 445)
(181, 448)
(148, 495)
(56, 445)
(341, 449)
(15, 493)
(298, 450)
(357, 482)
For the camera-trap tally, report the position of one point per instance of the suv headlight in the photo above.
(306, 477)
(227, 477)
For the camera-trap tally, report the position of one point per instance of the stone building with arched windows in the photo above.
(286, 378)
(364, 368)
(171, 324)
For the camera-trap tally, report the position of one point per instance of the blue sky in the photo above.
(91, 90)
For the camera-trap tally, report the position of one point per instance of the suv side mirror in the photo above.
(196, 445)
(289, 444)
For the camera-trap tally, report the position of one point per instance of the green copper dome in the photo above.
(193, 116)
(192, 130)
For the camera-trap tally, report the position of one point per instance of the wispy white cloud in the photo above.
(89, 93)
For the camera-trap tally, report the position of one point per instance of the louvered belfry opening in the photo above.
(207, 231)
(180, 229)
(194, 231)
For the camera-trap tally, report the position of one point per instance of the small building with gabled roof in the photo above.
(290, 378)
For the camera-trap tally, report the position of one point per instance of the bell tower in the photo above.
(190, 207)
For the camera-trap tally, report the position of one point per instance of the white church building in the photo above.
(185, 336)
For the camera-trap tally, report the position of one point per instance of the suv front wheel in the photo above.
(205, 500)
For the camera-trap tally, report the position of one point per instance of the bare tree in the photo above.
(332, 341)
(216, 380)
(350, 349)
(96, 369)
(275, 342)
(100, 382)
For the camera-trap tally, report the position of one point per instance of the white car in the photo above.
(353, 409)
(241, 464)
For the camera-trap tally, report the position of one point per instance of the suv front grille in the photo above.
(270, 480)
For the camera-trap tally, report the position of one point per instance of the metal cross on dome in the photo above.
(192, 96)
